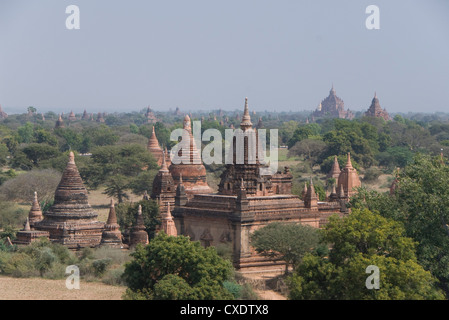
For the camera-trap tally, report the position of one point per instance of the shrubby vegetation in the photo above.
(50, 260)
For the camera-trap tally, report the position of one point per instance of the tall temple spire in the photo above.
(111, 234)
(27, 225)
(348, 179)
(138, 233)
(311, 199)
(167, 223)
(35, 214)
(348, 162)
(187, 124)
(164, 167)
(335, 170)
(154, 148)
(246, 119)
(112, 217)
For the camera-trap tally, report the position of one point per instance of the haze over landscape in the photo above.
(203, 55)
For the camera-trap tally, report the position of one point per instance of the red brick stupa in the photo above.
(193, 172)
(71, 221)
(111, 234)
(348, 180)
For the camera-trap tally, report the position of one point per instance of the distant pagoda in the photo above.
(85, 115)
(3, 115)
(151, 118)
(332, 107)
(59, 122)
(71, 220)
(375, 110)
(72, 116)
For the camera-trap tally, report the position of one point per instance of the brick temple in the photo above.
(71, 221)
(247, 199)
(375, 110)
(332, 107)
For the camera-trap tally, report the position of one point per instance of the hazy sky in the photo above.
(207, 54)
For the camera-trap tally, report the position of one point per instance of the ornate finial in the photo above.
(349, 163)
(35, 196)
(187, 124)
(71, 157)
(26, 226)
(139, 211)
(180, 178)
(164, 164)
(112, 203)
(168, 208)
(246, 119)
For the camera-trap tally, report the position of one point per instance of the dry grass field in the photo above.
(45, 289)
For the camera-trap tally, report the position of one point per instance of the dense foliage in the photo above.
(420, 202)
(358, 241)
(177, 268)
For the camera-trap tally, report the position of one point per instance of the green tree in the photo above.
(200, 268)
(116, 167)
(37, 152)
(357, 241)
(126, 215)
(25, 133)
(285, 242)
(310, 149)
(421, 203)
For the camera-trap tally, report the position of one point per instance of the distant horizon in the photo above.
(202, 55)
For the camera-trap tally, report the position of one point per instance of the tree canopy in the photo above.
(176, 268)
(358, 241)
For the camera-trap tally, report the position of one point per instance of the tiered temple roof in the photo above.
(59, 122)
(164, 189)
(168, 224)
(72, 116)
(335, 171)
(155, 149)
(85, 115)
(375, 110)
(348, 180)
(190, 167)
(151, 118)
(333, 107)
(247, 200)
(71, 220)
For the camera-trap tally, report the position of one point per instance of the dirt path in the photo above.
(44, 289)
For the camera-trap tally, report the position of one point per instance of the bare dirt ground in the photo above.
(45, 289)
